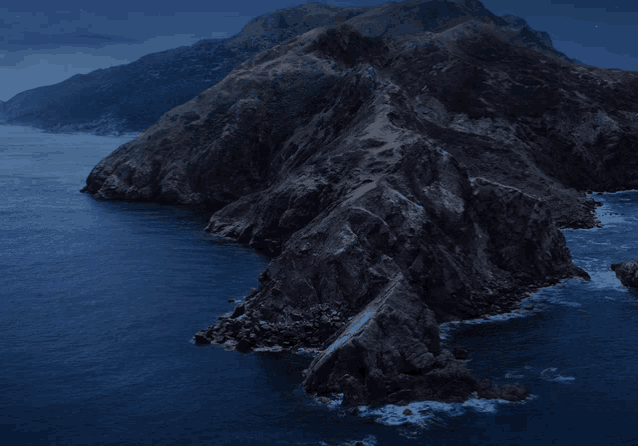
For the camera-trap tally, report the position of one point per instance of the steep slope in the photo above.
(397, 184)
(131, 97)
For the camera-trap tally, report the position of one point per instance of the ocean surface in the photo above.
(99, 301)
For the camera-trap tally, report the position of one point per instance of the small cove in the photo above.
(100, 299)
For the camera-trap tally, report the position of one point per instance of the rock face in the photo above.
(627, 273)
(396, 183)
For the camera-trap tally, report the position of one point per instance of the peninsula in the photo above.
(403, 166)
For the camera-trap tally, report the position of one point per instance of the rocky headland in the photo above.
(397, 180)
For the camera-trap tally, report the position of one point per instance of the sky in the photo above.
(44, 42)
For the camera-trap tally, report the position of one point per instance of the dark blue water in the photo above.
(99, 300)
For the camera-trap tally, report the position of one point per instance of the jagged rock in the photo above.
(239, 310)
(627, 273)
(508, 392)
(243, 346)
(201, 338)
(355, 393)
(400, 183)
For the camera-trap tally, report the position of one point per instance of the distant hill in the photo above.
(131, 97)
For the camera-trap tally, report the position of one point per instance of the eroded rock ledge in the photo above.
(397, 185)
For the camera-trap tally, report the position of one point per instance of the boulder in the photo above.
(627, 273)
(201, 338)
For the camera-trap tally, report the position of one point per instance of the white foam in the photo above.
(446, 329)
(423, 413)
(558, 301)
(561, 378)
(549, 374)
(428, 412)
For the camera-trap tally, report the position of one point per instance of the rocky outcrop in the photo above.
(396, 184)
(627, 273)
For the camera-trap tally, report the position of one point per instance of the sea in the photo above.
(99, 301)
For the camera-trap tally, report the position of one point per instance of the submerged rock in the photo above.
(395, 184)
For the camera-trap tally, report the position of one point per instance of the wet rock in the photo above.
(407, 412)
(355, 394)
(239, 310)
(627, 273)
(508, 392)
(322, 400)
(200, 338)
(243, 346)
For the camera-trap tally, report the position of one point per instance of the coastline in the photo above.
(388, 210)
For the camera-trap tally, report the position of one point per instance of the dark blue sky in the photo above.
(46, 42)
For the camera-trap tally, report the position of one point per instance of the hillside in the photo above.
(397, 183)
(131, 97)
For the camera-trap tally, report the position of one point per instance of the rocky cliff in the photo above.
(397, 183)
(131, 97)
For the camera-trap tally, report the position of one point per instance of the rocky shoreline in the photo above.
(396, 183)
(448, 368)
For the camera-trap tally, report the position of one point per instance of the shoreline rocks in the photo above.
(627, 273)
